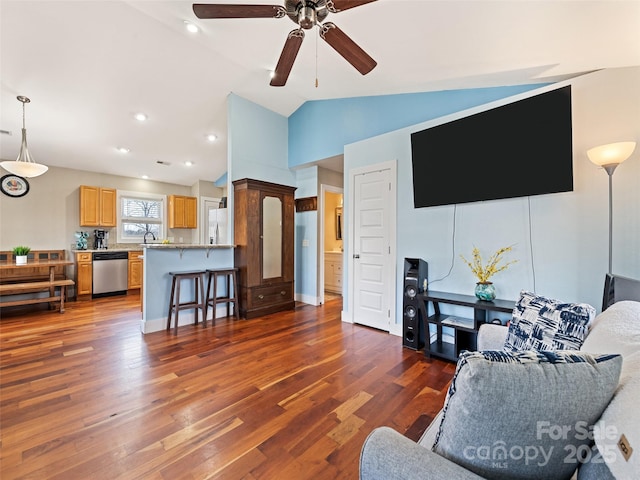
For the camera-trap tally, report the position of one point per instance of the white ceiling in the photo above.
(89, 65)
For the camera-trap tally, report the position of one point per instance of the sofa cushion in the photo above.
(617, 329)
(388, 455)
(541, 323)
(617, 433)
(513, 415)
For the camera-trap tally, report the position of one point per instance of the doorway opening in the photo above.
(331, 243)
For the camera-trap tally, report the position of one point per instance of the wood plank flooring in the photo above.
(85, 395)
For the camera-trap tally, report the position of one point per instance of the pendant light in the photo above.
(24, 166)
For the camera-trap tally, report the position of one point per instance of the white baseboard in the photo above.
(186, 317)
(309, 299)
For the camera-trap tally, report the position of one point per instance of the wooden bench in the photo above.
(33, 287)
(44, 271)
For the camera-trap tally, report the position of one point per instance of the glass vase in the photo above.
(485, 291)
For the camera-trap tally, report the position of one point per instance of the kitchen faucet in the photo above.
(145, 236)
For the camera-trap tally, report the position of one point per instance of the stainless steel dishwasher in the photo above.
(110, 270)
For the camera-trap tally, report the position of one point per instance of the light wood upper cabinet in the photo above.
(183, 211)
(97, 206)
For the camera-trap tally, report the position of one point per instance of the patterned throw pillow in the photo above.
(541, 323)
(524, 415)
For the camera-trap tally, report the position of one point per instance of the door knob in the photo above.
(355, 255)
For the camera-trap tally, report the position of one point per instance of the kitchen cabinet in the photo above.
(134, 278)
(183, 211)
(97, 206)
(333, 272)
(264, 239)
(84, 274)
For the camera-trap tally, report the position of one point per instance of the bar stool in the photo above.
(229, 275)
(197, 303)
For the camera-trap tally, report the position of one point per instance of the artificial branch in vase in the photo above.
(483, 272)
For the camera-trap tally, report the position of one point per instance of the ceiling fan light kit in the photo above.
(306, 14)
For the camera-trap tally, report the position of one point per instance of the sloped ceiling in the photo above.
(89, 66)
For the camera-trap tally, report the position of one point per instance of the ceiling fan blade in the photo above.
(287, 57)
(341, 5)
(346, 47)
(205, 10)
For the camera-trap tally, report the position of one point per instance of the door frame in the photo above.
(321, 214)
(349, 209)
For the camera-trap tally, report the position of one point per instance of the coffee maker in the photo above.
(101, 240)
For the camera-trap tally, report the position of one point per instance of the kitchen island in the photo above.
(159, 260)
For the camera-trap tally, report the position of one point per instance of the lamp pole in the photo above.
(610, 169)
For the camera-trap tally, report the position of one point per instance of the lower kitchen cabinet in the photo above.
(84, 274)
(135, 270)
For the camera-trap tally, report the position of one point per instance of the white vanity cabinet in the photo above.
(333, 272)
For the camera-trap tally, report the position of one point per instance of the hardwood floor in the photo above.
(85, 395)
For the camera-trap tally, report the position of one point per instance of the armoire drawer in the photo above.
(270, 295)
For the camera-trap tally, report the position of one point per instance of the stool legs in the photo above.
(173, 290)
(214, 300)
(235, 296)
(174, 300)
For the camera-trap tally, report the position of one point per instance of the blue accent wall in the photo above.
(267, 146)
(222, 181)
(306, 228)
(257, 143)
(321, 128)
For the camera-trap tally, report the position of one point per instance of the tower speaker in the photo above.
(415, 279)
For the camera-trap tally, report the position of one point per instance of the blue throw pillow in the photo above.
(541, 323)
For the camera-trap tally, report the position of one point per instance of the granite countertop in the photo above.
(184, 245)
(142, 246)
(114, 249)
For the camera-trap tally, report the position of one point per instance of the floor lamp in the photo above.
(609, 157)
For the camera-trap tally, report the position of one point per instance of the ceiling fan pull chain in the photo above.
(317, 57)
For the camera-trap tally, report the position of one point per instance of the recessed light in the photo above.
(272, 73)
(188, 163)
(191, 27)
(211, 137)
(141, 117)
(123, 150)
(145, 177)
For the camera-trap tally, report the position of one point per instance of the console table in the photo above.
(465, 329)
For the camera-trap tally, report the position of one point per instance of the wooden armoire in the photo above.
(264, 252)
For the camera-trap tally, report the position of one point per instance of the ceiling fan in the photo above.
(306, 14)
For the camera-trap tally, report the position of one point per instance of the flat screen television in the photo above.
(515, 150)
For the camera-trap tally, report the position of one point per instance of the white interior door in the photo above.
(372, 259)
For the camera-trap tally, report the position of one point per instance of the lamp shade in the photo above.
(611, 154)
(24, 169)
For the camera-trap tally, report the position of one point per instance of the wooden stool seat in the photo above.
(230, 277)
(197, 303)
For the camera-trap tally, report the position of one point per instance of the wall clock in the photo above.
(14, 186)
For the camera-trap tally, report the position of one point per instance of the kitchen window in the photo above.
(140, 214)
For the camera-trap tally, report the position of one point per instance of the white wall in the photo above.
(49, 215)
(569, 231)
